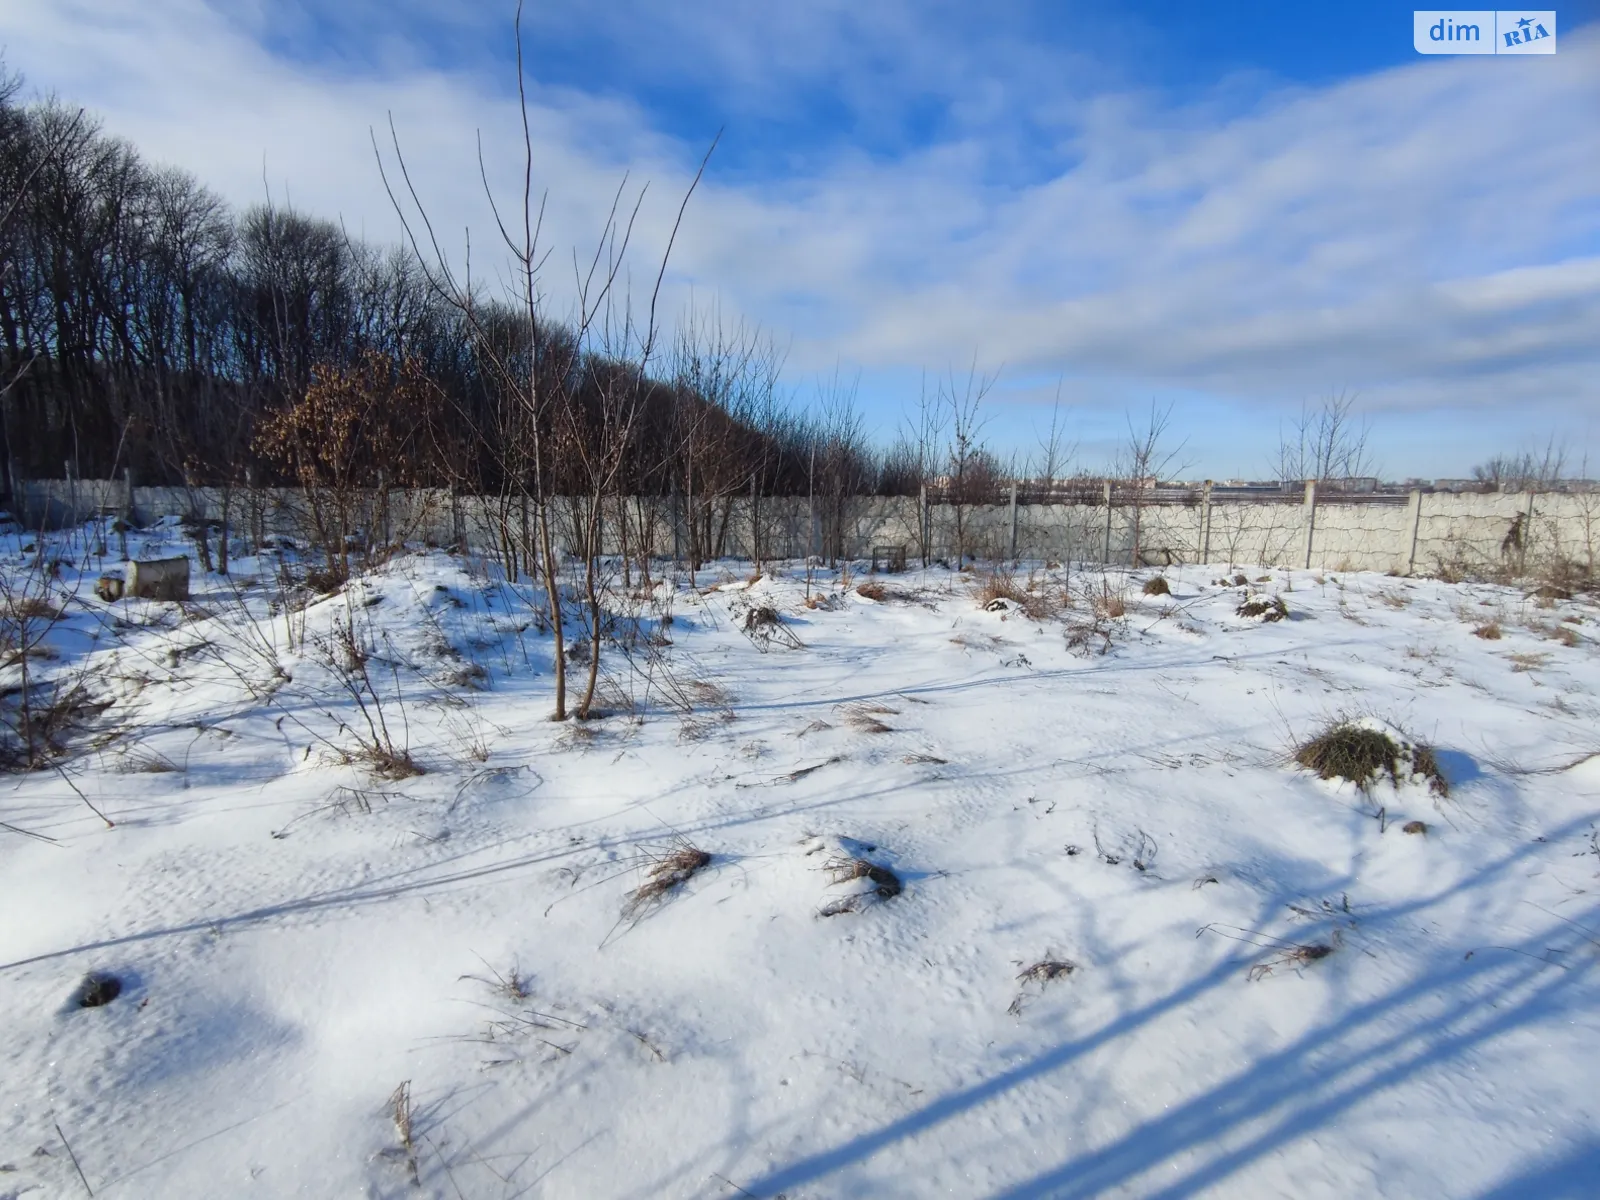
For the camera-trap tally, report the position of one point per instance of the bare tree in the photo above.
(1525, 471)
(1146, 459)
(1325, 443)
(970, 466)
(1055, 452)
(550, 393)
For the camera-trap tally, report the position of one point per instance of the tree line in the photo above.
(146, 324)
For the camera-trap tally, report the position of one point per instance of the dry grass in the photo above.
(470, 675)
(513, 985)
(1158, 586)
(664, 875)
(761, 616)
(885, 884)
(1527, 662)
(31, 608)
(1263, 608)
(145, 762)
(1000, 589)
(764, 626)
(1360, 755)
(1047, 970)
(386, 761)
(1110, 606)
(1043, 972)
(402, 1114)
(707, 694)
(1489, 631)
(1090, 637)
(864, 717)
(36, 726)
(1294, 956)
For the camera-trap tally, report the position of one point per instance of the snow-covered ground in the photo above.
(1263, 986)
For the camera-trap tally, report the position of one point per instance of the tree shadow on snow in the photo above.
(1449, 1008)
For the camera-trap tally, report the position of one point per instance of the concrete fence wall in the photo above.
(1423, 533)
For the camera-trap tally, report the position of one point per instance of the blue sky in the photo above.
(1235, 207)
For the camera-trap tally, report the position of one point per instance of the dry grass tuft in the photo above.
(1360, 754)
(864, 717)
(388, 762)
(1090, 637)
(707, 694)
(762, 616)
(885, 884)
(1263, 608)
(31, 608)
(145, 762)
(1351, 752)
(402, 1114)
(1158, 586)
(471, 676)
(1045, 971)
(1000, 589)
(1111, 607)
(665, 874)
(1294, 956)
(764, 626)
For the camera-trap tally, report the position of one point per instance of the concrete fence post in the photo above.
(1414, 512)
(1013, 522)
(127, 513)
(923, 531)
(1527, 534)
(1311, 517)
(1205, 523)
(1105, 496)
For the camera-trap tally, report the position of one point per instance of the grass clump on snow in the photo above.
(1361, 751)
(1263, 608)
(665, 875)
(882, 883)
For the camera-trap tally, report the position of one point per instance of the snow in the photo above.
(297, 938)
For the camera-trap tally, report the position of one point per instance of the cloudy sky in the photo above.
(1232, 206)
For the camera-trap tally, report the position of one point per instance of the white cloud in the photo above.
(1428, 236)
